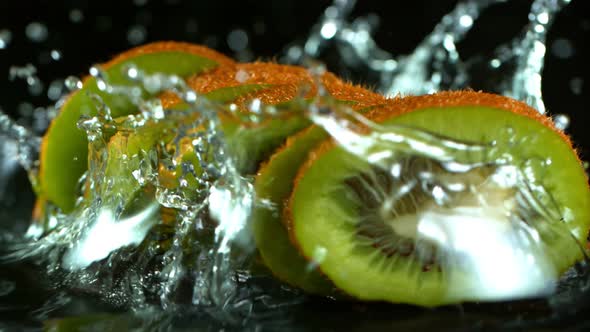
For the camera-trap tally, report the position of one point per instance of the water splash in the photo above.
(515, 228)
(529, 53)
(77, 241)
(436, 64)
(29, 74)
(155, 260)
(5, 38)
(26, 142)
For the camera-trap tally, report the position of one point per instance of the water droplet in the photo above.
(242, 76)
(132, 72)
(73, 83)
(561, 121)
(562, 48)
(36, 32)
(101, 84)
(136, 34)
(22, 72)
(332, 12)
(28, 73)
(55, 90)
(36, 86)
(294, 53)
(5, 38)
(543, 18)
(466, 21)
(152, 84)
(25, 110)
(576, 85)
(329, 30)
(55, 55)
(495, 63)
(255, 105)
(190, 96)
(237, 40)
(76, 15)
(318, 256)
(94, 71)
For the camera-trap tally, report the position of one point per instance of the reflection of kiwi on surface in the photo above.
(331, 210)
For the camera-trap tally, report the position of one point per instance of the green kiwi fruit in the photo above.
(314, 225)
(362, 254)
(273, 186)
(127, 151)
(249, 143)
(64, 148)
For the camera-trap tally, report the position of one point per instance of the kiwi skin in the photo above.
(433, 112)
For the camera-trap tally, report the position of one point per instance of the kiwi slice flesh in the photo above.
(64, 149)
(273, 186)
(274, 183)
(353, 248)
(127, 152)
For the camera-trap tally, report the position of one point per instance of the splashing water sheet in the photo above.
(181, 254)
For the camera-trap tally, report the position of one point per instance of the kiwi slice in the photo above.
(128, 152)
(369, 255)
(252, 142)
(249, 143)
(64, 148)
(273, 185)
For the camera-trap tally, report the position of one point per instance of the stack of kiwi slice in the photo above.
(328, 208)
(315, 224)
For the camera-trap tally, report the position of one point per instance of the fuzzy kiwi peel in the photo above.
(324, 215)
